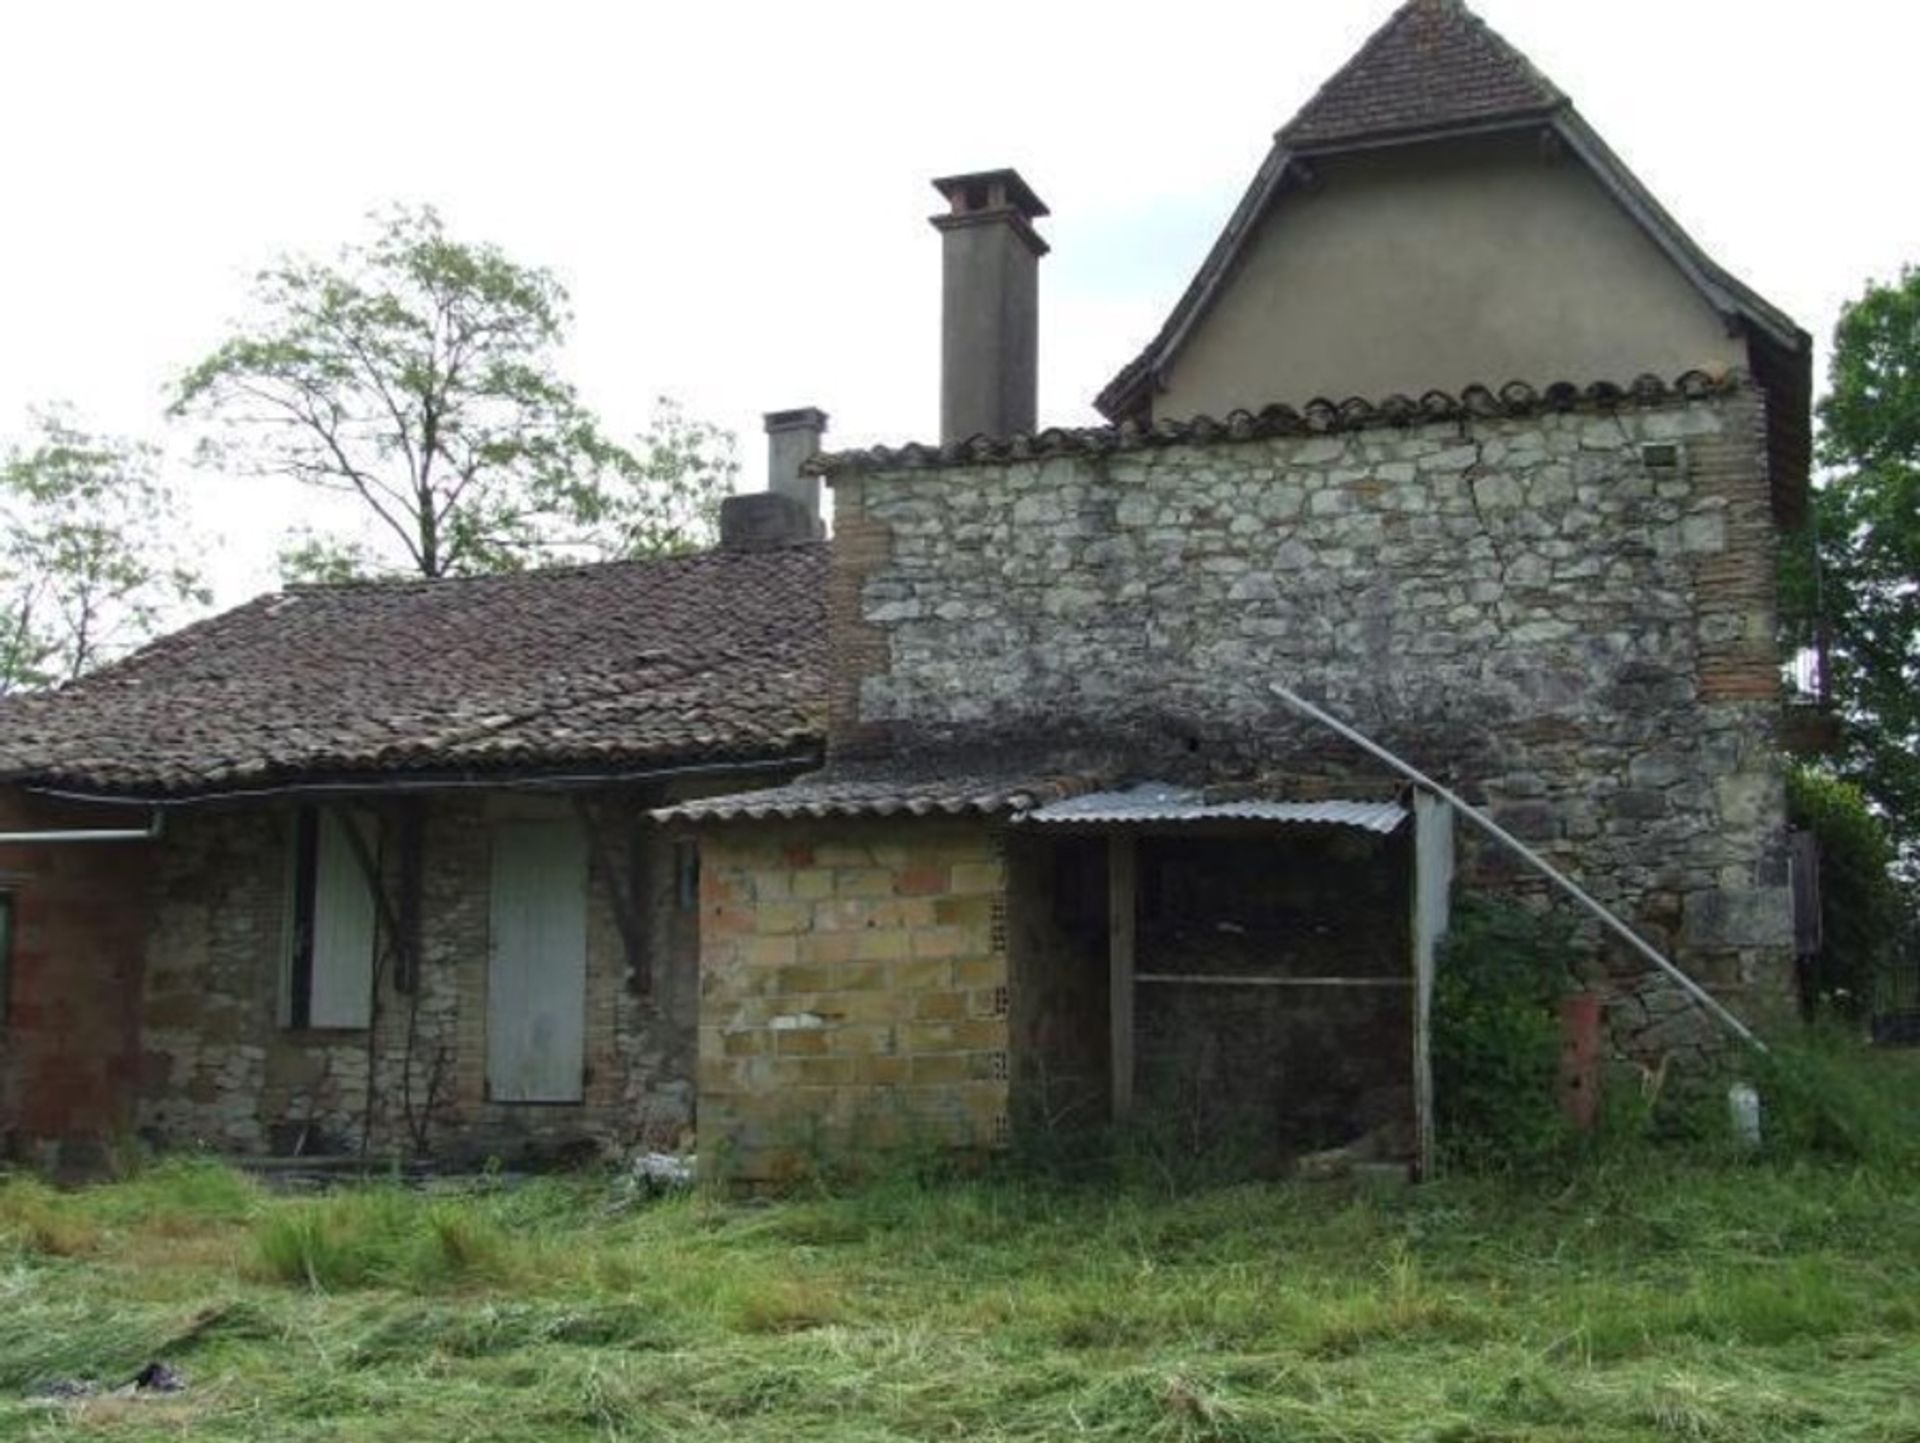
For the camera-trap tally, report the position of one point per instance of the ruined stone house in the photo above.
(540, 859)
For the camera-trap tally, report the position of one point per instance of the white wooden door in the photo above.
(341, 978)
(537, 962)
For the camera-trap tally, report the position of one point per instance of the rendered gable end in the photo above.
(1437, 265)
(1438, 213)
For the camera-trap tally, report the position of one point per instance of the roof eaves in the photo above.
(1520, 119)
(1160, 803)
(798, 757)
(1516, 399)
(1117, 399)
(1726, 293)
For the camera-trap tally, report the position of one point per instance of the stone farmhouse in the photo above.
(373, 860)
(983, 817)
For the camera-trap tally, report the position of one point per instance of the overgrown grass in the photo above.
(1644, 1293)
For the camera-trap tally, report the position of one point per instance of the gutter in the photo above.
(390, 785)
(150, 832)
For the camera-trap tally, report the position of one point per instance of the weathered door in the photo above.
(537, 962)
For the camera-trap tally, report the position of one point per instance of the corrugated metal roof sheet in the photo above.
(1151, 802)
(849, 793)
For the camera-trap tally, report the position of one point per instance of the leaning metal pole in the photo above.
(1533, 859)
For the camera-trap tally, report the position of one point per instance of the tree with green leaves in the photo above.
(92, 559)
(1864, 591)
(417, 376)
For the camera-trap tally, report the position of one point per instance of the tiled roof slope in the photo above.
(719, 656)
(1433, 66)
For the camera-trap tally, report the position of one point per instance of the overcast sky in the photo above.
(736, 195)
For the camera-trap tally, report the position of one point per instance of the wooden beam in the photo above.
(1199, 980)
(628, 908)
(399, 917)
(1122, 916)
(1432, 891)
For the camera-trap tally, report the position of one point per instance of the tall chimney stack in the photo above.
(989, 305)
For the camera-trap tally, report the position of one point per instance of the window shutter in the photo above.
(343, 929)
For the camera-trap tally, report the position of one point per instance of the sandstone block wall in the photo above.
(854, 991)
(1568, 615)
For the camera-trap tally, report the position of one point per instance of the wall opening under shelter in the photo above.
(1273, 989)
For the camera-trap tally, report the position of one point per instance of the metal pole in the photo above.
(86, 834)
(1500, 834)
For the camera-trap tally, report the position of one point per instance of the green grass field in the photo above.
(1646, 1296)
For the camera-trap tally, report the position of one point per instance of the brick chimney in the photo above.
(789, 509)
(989, 304)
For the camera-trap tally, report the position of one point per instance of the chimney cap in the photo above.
(991, 190)
(800, 418)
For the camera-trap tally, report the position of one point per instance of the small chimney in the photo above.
(789, 509)
(762, 520)
(989, 305)
(793, 439)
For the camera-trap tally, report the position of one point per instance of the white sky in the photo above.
(736, 195)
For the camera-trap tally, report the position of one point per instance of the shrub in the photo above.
(1861, 907)
(1502, 973)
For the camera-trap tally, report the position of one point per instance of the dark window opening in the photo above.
(686, 875)
(333, 914)
(306, 853)
(6, 955)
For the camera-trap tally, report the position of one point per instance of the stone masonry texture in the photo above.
(1569, 616)
(178, 1010)
(853, 992)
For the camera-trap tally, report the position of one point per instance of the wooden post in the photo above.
(1432, 890)
(1122, 869)
(1580, 1059)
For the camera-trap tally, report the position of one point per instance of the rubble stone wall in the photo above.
(1568, 615)
(219, 1070)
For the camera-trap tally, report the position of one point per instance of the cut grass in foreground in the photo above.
(1651, 1300)
(1638, 1295)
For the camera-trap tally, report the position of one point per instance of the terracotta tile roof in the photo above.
(719, 656)
(1433, 66)
(1516, 398)
(899, 788)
